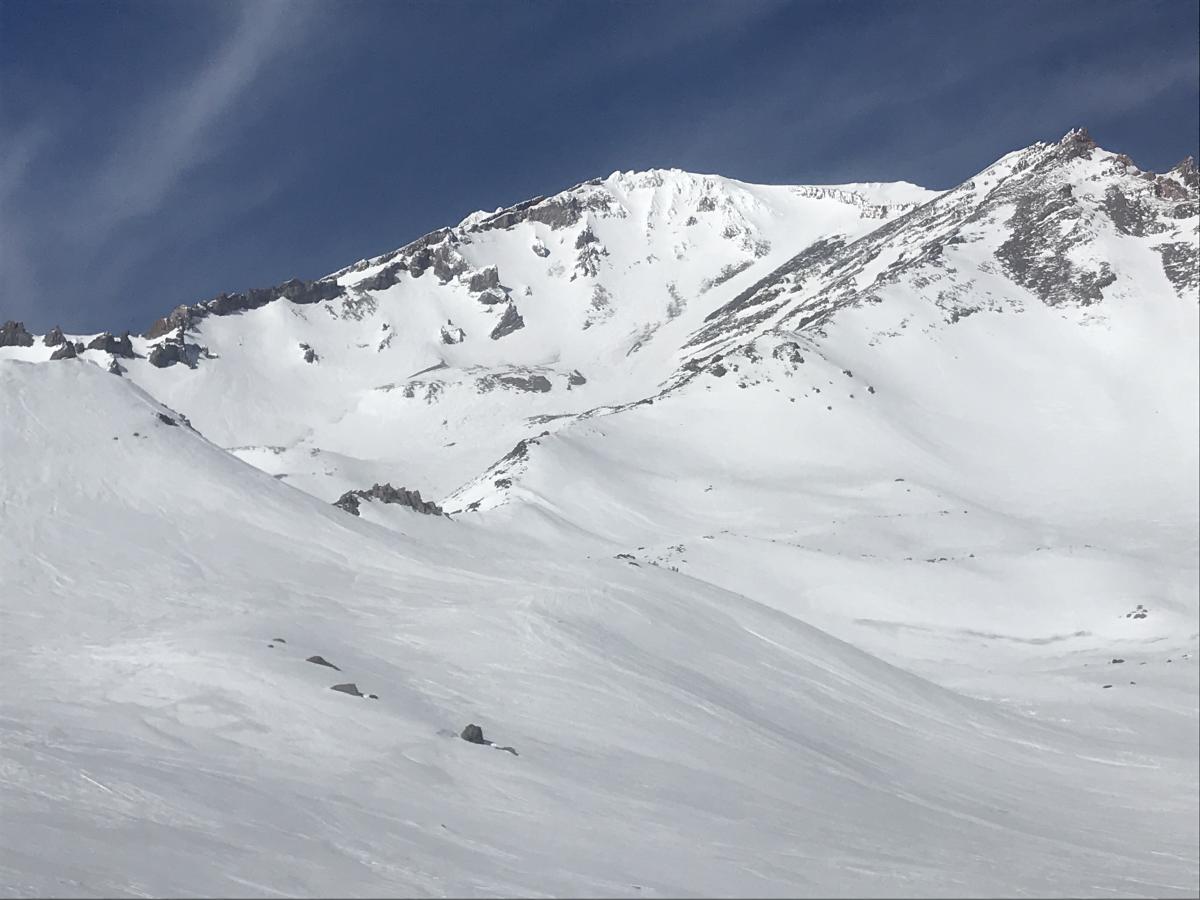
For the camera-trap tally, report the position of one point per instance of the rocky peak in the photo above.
(1077, 143)
(13, 334)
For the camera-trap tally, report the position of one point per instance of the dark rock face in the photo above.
(348, 688)
(483, 279)
(511, 321)
(384, 278)
(541, 250)
(13, 334)
(587, 236)
(66, 351)
(54, 337)
(473, 734)
(1180, 266)
(1186, 172)
(452, 334)
(385, 493)
(1169, 189)
(1130, 215)
(322, 661)
(1036, 227)
(575, 379)
(106, 343)
(175, 350)
(310, 355)
(532, 383)
(167, 420)
(115, 368)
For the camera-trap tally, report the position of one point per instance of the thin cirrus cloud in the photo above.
(89, 211)
(179, 130)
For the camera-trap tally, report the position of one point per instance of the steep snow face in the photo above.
(161, 600)
(425, 365)
(1061, 225)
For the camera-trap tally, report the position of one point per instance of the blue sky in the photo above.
(159, 152)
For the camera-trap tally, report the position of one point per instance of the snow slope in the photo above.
(828, 541)
(674, 738)
(609, 279)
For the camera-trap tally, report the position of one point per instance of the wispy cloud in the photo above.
(179, 129)
(89, 216)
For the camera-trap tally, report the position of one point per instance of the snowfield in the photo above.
(843, 542)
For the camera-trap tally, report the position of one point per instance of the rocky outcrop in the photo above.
(310, 355)
(575, 379)
(1187, 173)
(473, 734)
(384, 278)
(511, 321)
(488, 277)
(118, 346)
(532, 383)
(385, 493)
(452, 334)
(175, 350)
(561, 211)
(67, 351)
(1077, 143)
(54, 337)
(492, 297)
(13, 334)
(296, 290)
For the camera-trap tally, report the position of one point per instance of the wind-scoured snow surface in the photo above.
(801, 541)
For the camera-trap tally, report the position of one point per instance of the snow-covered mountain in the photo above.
(799, 540)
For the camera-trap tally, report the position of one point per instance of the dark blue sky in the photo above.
(159, 152)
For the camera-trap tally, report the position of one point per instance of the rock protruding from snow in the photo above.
(485, 278)
(532, 383)
(68, 350)
(473, 734)
(117, 346)
(385, 493)
(175, 350)
(54, 337)
(492, 297)
(452, 334)
(13, 334)
(1077, 143)
(511, 321)
(296, 290)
